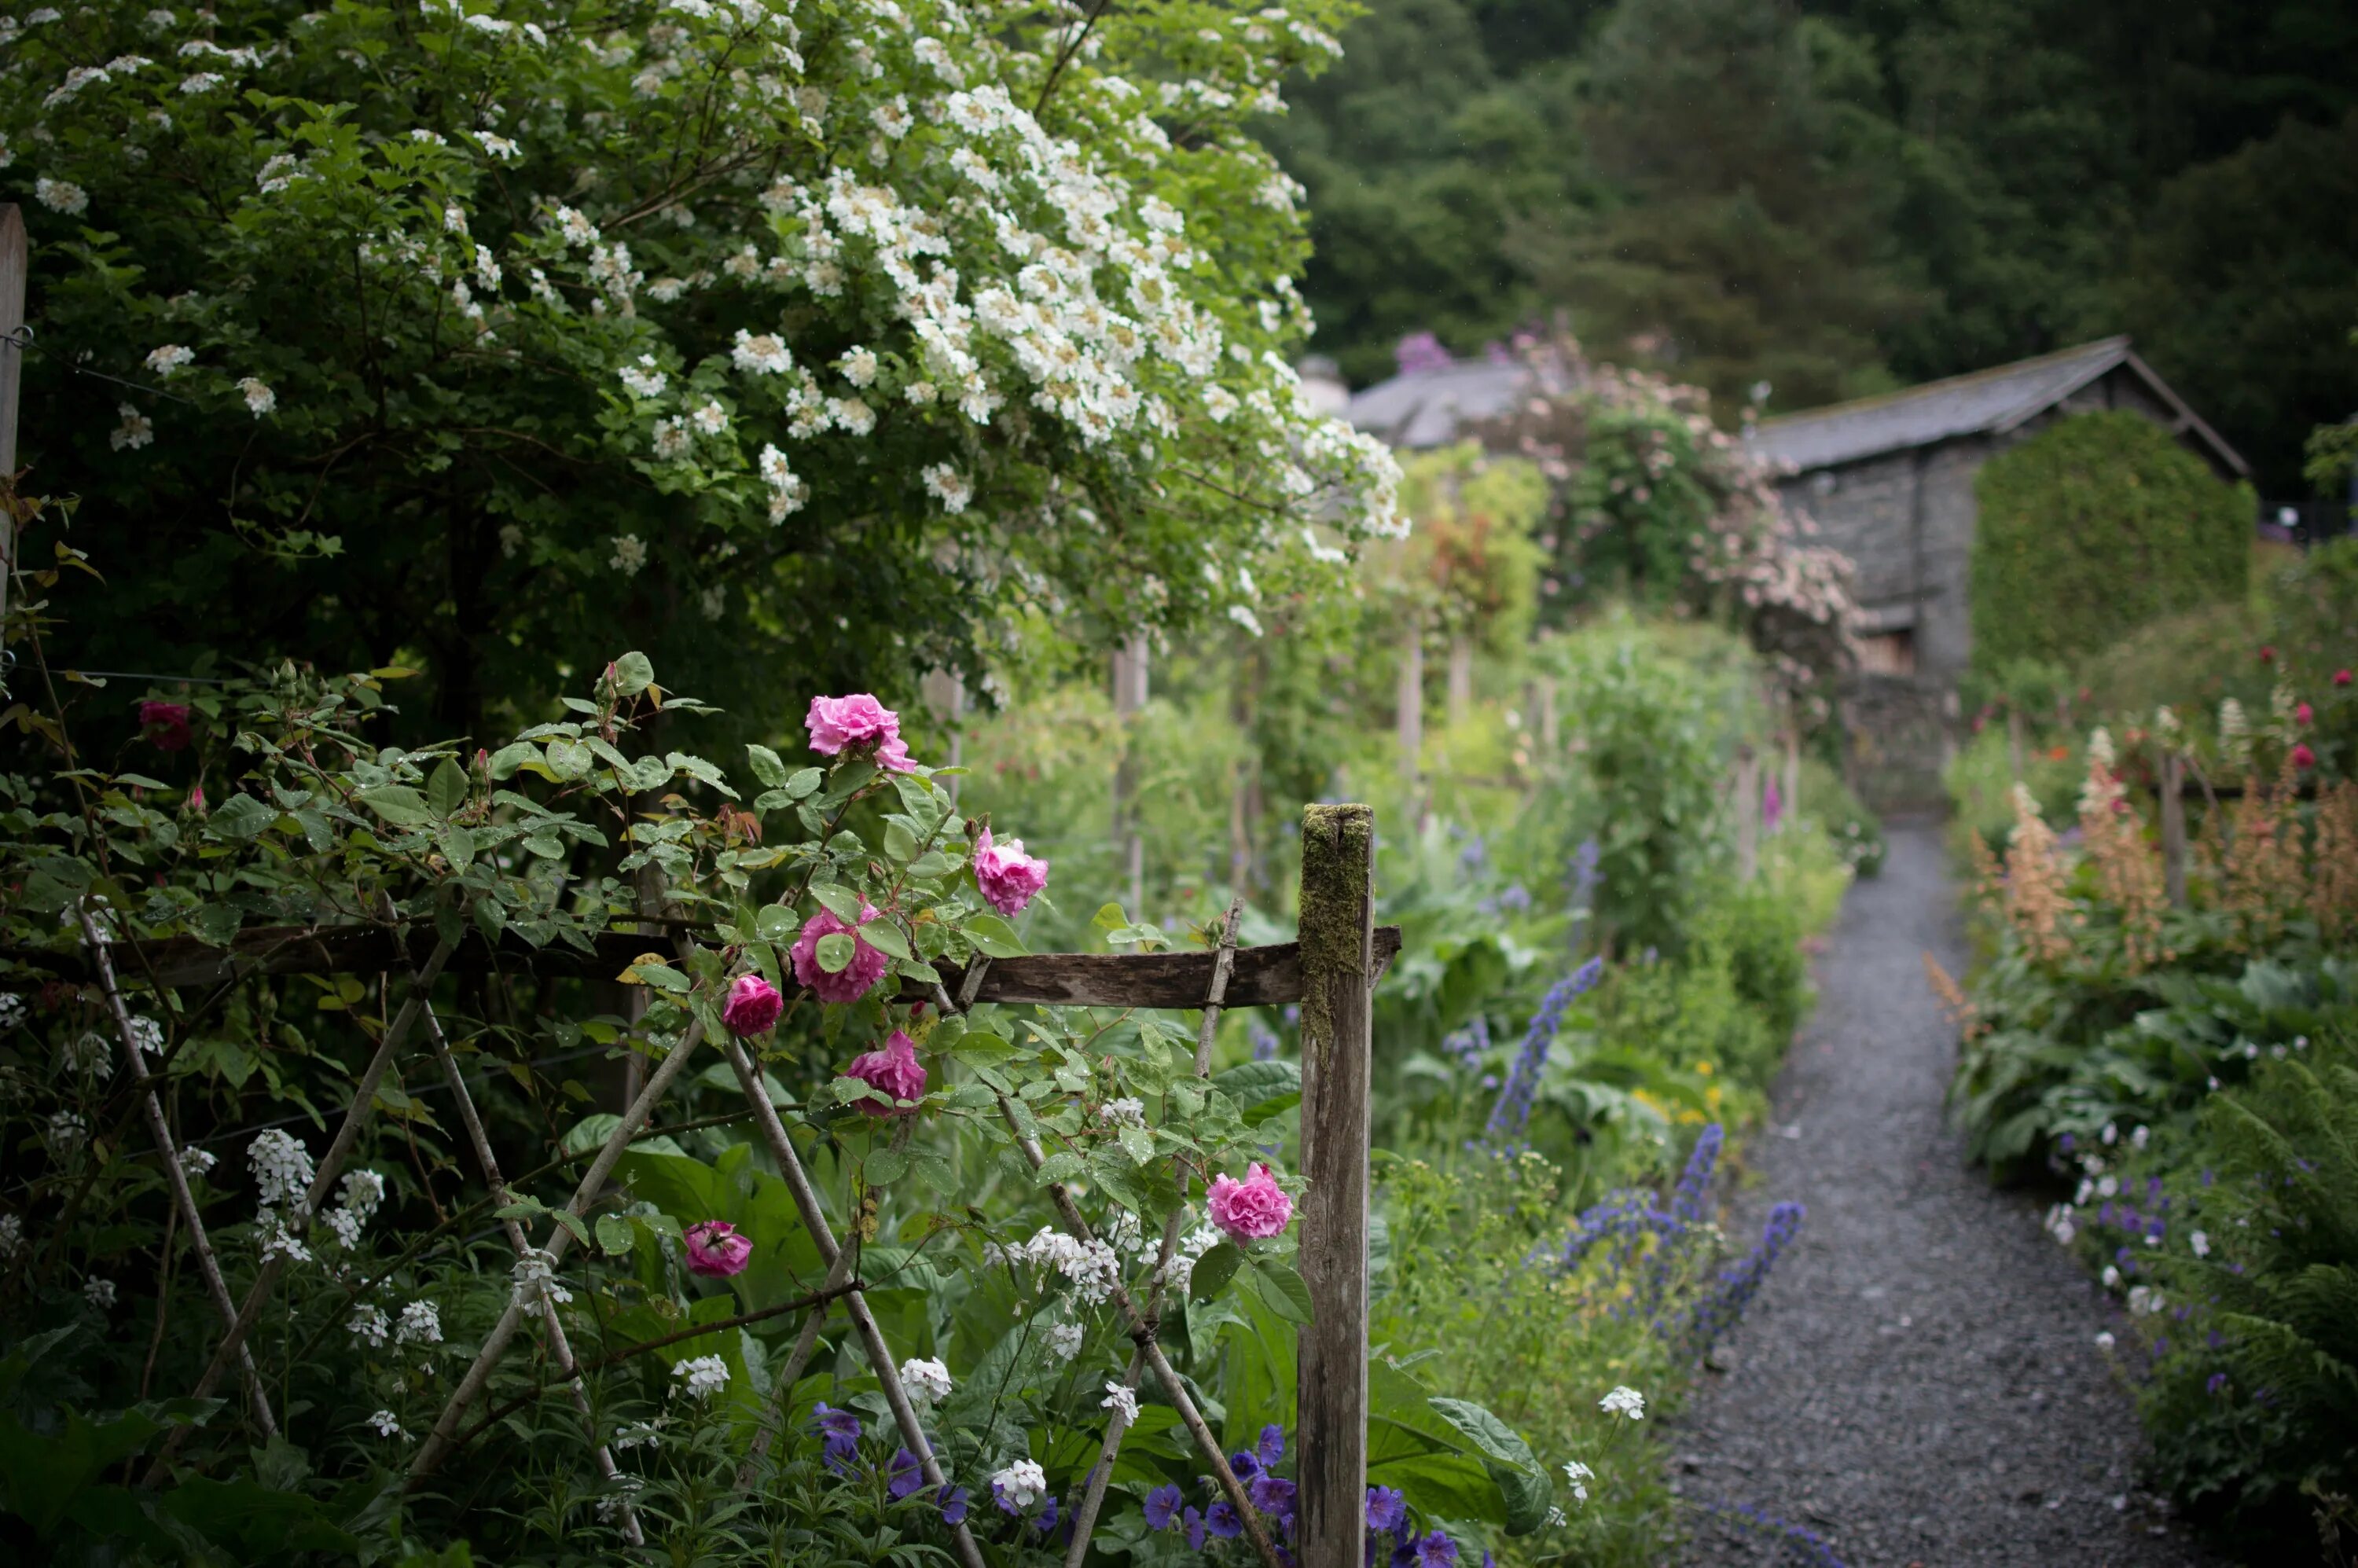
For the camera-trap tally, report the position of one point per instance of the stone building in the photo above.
(1889, 482)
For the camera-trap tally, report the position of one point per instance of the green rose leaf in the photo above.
(397, 804)
(446, 789)
(835, 951)
(614, 1235)
(1213, 1271)
(993, 936)
(839, 901)
(243, 816)
(633, 673)
(767, 767)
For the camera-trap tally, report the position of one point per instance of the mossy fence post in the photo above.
(1338, 974)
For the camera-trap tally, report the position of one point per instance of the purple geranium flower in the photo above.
(1403, 1548)
(1244, 1465)
(1221, 1520)
(1387, 1510)
(1436, 1551)
(1047, 1520)
(843, 1433)
(1195, 1523)
(1273, 1496)
(954, 1506)
(1162, 1507)
(1272, 1446)
(906, 1474)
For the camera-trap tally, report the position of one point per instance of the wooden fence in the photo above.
(1330, 972)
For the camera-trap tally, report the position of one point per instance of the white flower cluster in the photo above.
(421, 1324)
(13, 1011)
(362, 1192)
(197, 1162)
(67, 1131)
(1021, 1485)
(370, 1326)
(1623, 1401)
(1577, 1475)
(1065, 1339)
(701, 1378)
(925, 1379)
(87, 1054)
(536, 1280)
(386, 1423)
(1120, 1399)
(98, 1292)
(12, 1236)
(282, 1168)
(1091, 1267)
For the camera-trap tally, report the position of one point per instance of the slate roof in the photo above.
(1426, 408)
(1989, 401)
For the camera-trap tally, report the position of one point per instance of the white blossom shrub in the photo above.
(825, 335)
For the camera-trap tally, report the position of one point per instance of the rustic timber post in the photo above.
(1339, 975)
(12, 265)
(1747, 811)
(2173, 827)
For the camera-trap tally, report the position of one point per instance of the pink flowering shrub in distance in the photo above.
(855, 979)
(717, 1248)
(838, 724)
(1251, 1210)
(893, 1070)
(753, 1007)
(1009, 878)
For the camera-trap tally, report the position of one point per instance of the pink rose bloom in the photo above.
(1009, 879)
(753, 1007)
(717, 1248)
(895, 1070)
(167, 724)
(197, 800)
(2302, 757)
(837, 722)
(1253, 1208)
(855, 979)
(2303, 714)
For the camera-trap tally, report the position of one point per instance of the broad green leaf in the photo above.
(885, 936)
(445, 788)
(614, 1235)
(510, 757)
(1213, 1271)
(1063, 1166)
(243, 816)
(572, 1222)
(805, 782)
(766, 766)
(397, 804)
(776, 922)
(993, 936)
(1283, 1289)
(633, 673)
(1137, 1143)
(884, 1167)
(835, 952)
(839, 901)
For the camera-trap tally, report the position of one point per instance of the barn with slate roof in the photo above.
(1889, 481)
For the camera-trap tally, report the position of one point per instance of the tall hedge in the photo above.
(2093, 528)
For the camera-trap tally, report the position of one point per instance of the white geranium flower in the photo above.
(1121, 1401)
(701, 1378)
(386, 1423)
(370, 1326)
(1623, 1401)
(1021, 1485)
(925, 1379)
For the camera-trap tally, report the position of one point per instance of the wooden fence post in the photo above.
(1338, 972)
(13, 265)
(2173, 827)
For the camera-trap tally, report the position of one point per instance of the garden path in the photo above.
(1919, 1381)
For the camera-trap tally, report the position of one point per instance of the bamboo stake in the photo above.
(880, 1355)
(174, 1174)
(330, 1166)
(446, 1427)
(1085, 1517)
(559, 1346)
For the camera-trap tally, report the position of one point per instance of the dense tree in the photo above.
(1814, 191)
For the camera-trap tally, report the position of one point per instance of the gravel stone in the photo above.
(1919, 1381)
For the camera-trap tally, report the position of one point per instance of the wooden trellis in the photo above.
(1331, 971)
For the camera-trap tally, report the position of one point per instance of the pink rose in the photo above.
(717, 1248)
(895, 1070)
(753, 1007)
(1009, 879)
(2303, 714)
(1253, 1208)
(855, 979)
(2302, 757)
(837, 722)
(197, 800)
(167, 724)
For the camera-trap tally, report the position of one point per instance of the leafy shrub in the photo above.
(2093, 528)
(2234, 1237)
(1832, 805)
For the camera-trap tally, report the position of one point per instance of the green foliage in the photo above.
(2093, 528)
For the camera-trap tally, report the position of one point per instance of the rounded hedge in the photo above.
(2093, 528)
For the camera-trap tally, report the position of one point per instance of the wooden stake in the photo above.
(13, 263)
(2173, 827)
(175, 1175)
(1338, 974)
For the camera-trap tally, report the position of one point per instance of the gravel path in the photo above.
(1918, 1383)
